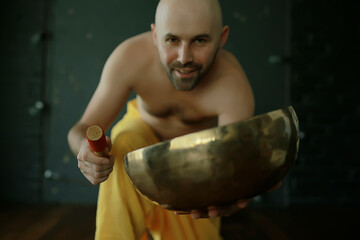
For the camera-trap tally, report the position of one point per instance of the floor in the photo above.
(55, 222)
(300, 223)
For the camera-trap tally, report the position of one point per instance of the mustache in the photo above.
(191, 65)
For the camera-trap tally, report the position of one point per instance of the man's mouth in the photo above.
(185, 71)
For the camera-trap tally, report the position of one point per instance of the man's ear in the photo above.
(153, 33)
(224, 35)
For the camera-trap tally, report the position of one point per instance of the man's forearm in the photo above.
(76, 136)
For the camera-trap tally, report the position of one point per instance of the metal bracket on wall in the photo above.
(278, 59)
(36, 108)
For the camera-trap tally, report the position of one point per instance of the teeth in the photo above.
(185, 72)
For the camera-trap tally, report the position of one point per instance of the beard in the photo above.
(185, 77)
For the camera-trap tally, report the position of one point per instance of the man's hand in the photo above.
(221, 211)
(214, 211)
(95, 169)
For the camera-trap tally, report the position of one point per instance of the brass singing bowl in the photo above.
(217, 166)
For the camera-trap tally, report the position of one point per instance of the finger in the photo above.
(88, 169)
(182, 212)
(89, 156)
(102, 174)
(223, 210)
(108, 161)
(242, 203)
(96, 181)
(213, 211)
(228, 209)
(217, 211)
(109, 144)
(89, 178)
(100, 168)
(275, 187)
(82, 165)
(111, 160)
(196, 214)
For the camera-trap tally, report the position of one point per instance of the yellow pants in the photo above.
(122, 213)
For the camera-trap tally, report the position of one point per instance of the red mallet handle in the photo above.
(96, 138)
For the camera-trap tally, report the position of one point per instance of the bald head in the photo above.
(186, 15)
(188, 35)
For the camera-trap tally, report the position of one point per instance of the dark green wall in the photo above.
(21, 65)
(325, 85)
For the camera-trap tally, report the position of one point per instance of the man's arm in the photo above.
(237, 99)
(106, 103)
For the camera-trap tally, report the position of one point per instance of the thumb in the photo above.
(108, 143)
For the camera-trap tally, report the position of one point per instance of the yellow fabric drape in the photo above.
(123, 213)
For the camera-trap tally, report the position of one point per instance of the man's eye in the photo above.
(171, 40)
(200, 41)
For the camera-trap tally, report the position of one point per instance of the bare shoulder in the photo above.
(134, 46)
(129, 59)
(228, 56)
(236, 99)
(229, 75)
(230, 62)
(131, 56)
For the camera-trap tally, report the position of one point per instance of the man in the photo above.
(185, 82)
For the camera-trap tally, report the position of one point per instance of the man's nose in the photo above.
(185, 54)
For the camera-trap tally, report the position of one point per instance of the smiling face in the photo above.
(188, 35)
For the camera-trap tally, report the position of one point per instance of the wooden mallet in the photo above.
(97, 141)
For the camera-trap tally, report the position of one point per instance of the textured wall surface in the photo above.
(324, 86)
(21, 87)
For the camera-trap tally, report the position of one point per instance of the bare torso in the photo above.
(222, 96)
(170, 112)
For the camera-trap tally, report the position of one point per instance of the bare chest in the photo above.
(184, 112)
(170, 118)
